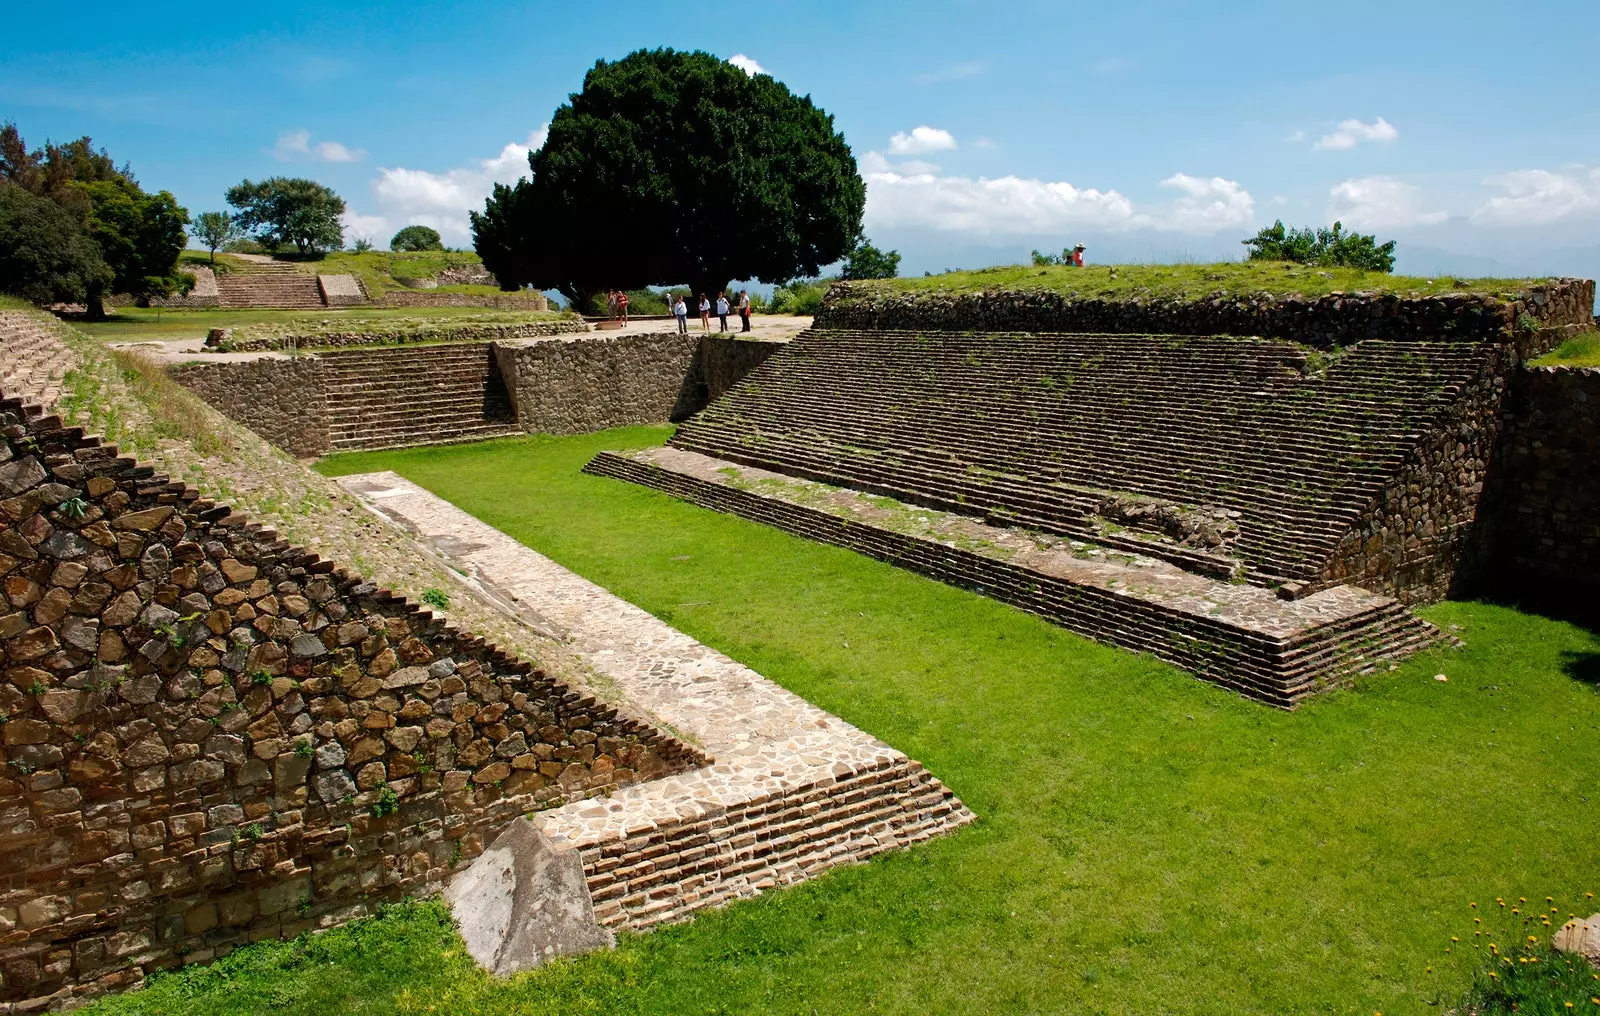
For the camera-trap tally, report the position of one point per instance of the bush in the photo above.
(803, 296)
(414, 238)
(868, 262)
(1326, 247)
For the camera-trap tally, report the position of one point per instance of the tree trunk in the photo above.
(94, 306)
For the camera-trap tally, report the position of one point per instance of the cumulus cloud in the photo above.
(1379, 202)
(746, 64)
(1354, 132)
(1536, 197)
(922, 140)
(1205, 205)
(916, 194)
(441, 200)
(296, 146)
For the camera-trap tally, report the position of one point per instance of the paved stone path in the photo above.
(792, 790)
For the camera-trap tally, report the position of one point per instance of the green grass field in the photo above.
(1146, 843)
(133, 324)
(1190, 281)
(1578, 351)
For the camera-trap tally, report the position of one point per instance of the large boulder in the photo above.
(523, 901)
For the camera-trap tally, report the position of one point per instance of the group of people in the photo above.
(617, 307)
(680, 310)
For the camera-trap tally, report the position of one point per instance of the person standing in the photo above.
(622, 305)
(744, 309)
(680, 310)
(722, 311)
(611, 303)
(705, 313)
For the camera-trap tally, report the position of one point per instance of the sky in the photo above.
(1151, 131)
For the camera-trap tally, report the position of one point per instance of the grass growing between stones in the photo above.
(1123, 282)
(1146, 843)
(1578, 351)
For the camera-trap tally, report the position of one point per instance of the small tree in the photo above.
(215, 229)
(283, 210)
(417, 238)
(868, 262)
(362, 245)
(1329, 248)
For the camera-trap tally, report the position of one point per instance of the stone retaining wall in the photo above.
(1545, 484)
(212, 737)
(283, 400)
(341, 290)
(503, 301)
(1327, 321)
(576, 386)
(435, 333)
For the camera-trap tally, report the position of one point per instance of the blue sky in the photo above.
(1468, 130)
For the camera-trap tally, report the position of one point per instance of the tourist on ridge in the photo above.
(1077, 255)
(681, 311)
(722, 310)
(705, 313)
(611, 303)
(744, 309)
(622, 305)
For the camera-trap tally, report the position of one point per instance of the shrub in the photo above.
(436, 598)
(803, 296)
(417, 238)
(1326, 247)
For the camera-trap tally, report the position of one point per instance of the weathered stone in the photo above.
(143, 521)
(1579, 937)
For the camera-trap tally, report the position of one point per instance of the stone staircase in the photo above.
(419, 395)
(1038, 431)
(33, 359)
(269, 284)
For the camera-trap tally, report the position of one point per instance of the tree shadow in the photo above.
(1582, 666)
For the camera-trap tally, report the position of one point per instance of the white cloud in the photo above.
(915, 194)
(1536, 197)
(1355, 132)
(442, 200)
(955, 72)
(922, 140)
(294, 146)
(1379, 202)
(1206, 205)
(746, 64)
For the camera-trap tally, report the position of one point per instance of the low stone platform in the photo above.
(1240, 636)
(792, 790)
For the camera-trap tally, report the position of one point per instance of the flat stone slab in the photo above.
(769, 746)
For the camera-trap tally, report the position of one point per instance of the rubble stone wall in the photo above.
(1327, 321)
(212, 737)
(582, 385)
(1545, 484)
(503, 301)
(283, 400)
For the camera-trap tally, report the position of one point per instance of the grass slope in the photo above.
(1578, 351)
(1146, 843)
(133, 324)
(1120, 282)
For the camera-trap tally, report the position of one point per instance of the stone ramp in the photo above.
(1067, 432)
(792, 790)
(1237, 635)
(33, 359)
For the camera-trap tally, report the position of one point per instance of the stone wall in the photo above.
(283, 400)
(1333, 320)
(204, 293)
(212, 737)
(1544, 489)
(503, 301)
(383, 336)
(576, 386)
(341, 290)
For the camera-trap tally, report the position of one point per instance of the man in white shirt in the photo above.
(722, 310)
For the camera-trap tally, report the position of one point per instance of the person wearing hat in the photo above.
(1077, 255)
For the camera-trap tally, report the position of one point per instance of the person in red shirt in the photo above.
(622, 305)
(1077, 255)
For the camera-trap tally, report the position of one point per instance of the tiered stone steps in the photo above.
(269, 284)
(1239, 636)
(418, 395)
(33, 359)
(1036, 430)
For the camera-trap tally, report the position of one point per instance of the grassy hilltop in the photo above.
(1126, 282)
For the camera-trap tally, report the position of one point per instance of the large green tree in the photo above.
(139, 235)
(45, 254)
(416, 238)
(672, 167)
(283, 210)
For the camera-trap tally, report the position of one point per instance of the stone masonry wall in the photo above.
(503, 301)
(576, 386)
(1545, 485)
(1327, 321)
(212, 737)
(283, 400)
(226, 342)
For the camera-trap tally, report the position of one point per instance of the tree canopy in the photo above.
(45, 254)
(417, 238)
(137, 235)
(1329, 247)
(672, 167)
(283, 210)
(868, 262)
(215, 229)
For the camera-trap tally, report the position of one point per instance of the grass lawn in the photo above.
(1189, 281)
(1578, 351)
(132, 324)
(1146, 843)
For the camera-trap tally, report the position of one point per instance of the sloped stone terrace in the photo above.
(1240, 636)
(1285, 448)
